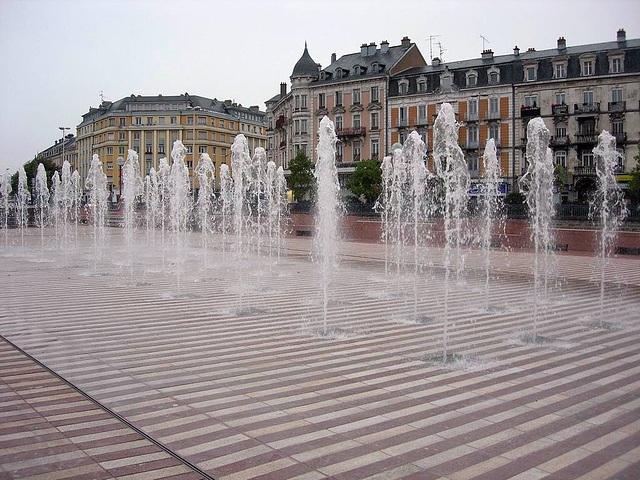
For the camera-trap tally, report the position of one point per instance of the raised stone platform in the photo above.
(230, 371)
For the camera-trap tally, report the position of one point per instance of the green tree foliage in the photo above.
(514, 198)
(633, 190)
(31, 169)
(301, 180)
(560, 176)
(366, 180)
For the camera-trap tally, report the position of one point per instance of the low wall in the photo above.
(515, 234)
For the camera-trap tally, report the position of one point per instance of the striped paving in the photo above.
(227, 368)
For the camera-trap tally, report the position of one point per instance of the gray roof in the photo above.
(305, 67)
(527, 55)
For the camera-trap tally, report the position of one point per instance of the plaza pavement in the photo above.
(228, 368)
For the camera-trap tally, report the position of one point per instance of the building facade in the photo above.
(61, 150)
(150, 124)
(351, 91)
(578, 91)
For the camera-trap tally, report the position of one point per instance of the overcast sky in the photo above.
(57, 56)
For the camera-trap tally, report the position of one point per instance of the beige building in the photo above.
(61, 150)
(150, 124)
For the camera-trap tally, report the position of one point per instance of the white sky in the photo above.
(57, 55)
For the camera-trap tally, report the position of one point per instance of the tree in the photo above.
(300, 181)
(31, 169)
(633, 190)
(560, 176)
(366, 180)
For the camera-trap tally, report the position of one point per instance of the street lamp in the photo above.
(64, 129)
(120, 162)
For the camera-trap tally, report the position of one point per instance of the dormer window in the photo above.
(616, 61)
(339, 73)
(472, 78)
(422, 84)
(531, 72)
(587, 65)
(403, 86)
(358, 70)
(446, 80)
(493, 76)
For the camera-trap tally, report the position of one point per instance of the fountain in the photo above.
(152, 192)
(164, 171)
(22, 200)
(452, 170)
(56, 188)
(398, 201)
(383, 205)
(179, 201)
(65, 199)
(282, 208)
(204, 205)
(42, 196)
(5, 191)
(256, 189)
(608, 205)
(490, 207)
(76, 200)
(96, 183)
(537, 184)
(241, 172)
(328, 207)
(226, 202)
(131, 189)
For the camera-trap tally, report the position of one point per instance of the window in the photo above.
(375, 121)
(189, 134)
(494, 78)
(473, 136)
(223, 137)
(136, 135)
(160, 120)
(560, 98)
(494, 107)
(375, 148)
(202, 120)
(109, 165)
(616, 95)
(588, 127)
(472, 80)
(321, 100)
(616, 65)
(109, 150)
(123, 122)
(356, 96)
(561, 130)
(303, 126)
(138, 120)
(531, 100)
(338, 122)
(149, 120)
(173, 120)
(559, 70)
(120, 150)
(422, 113)
(356, 151)
(587, 97)
(338, 98)
(422, 86)
(494, 131)
(472, 162)
(587, 159)
(587, 68)
(202, 149)
(110, 136)
(189, 120)
(530, 74)
(189, 148)
(202, 135)
(232, 125)
(375, 94)
(617, 126)
(473, 110)
(296, 102)
(221, 123)
(403, 115)
(560, 158)
(356, 120)
(296, 126)
(403, 87)
(339, 151)
(112, 122)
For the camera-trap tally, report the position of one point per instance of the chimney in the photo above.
(333, 58)
(363, 49)
(516, 51)
(435, 62)
(283, 89)
(487, 54)
(531, 49)
(384, 46)
(371, 49)
(562, 44)
(406, 42)
(622, 36)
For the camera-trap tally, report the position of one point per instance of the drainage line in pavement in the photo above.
(112, 413)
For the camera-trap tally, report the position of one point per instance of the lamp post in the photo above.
(64, 129)
(120, 162)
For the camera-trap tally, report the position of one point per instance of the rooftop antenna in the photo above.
(442, 50)
(431, 37)
(101, 96)
(484, 40)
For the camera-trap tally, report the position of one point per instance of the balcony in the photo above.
(493, 115)
(559, 109)
(529, 111)
(472, 117)
(421, 121)
(586, 108)
(281, 121)
(586, 138)
(472, 144)
(403, 122)
(560, 141)
(338, 158)
(621, 137)
(617, 106)
(584, 171)
(283, 144)
(352, 132)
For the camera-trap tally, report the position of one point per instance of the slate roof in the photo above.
(305, 67)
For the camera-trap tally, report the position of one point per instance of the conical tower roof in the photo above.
(305, 67)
